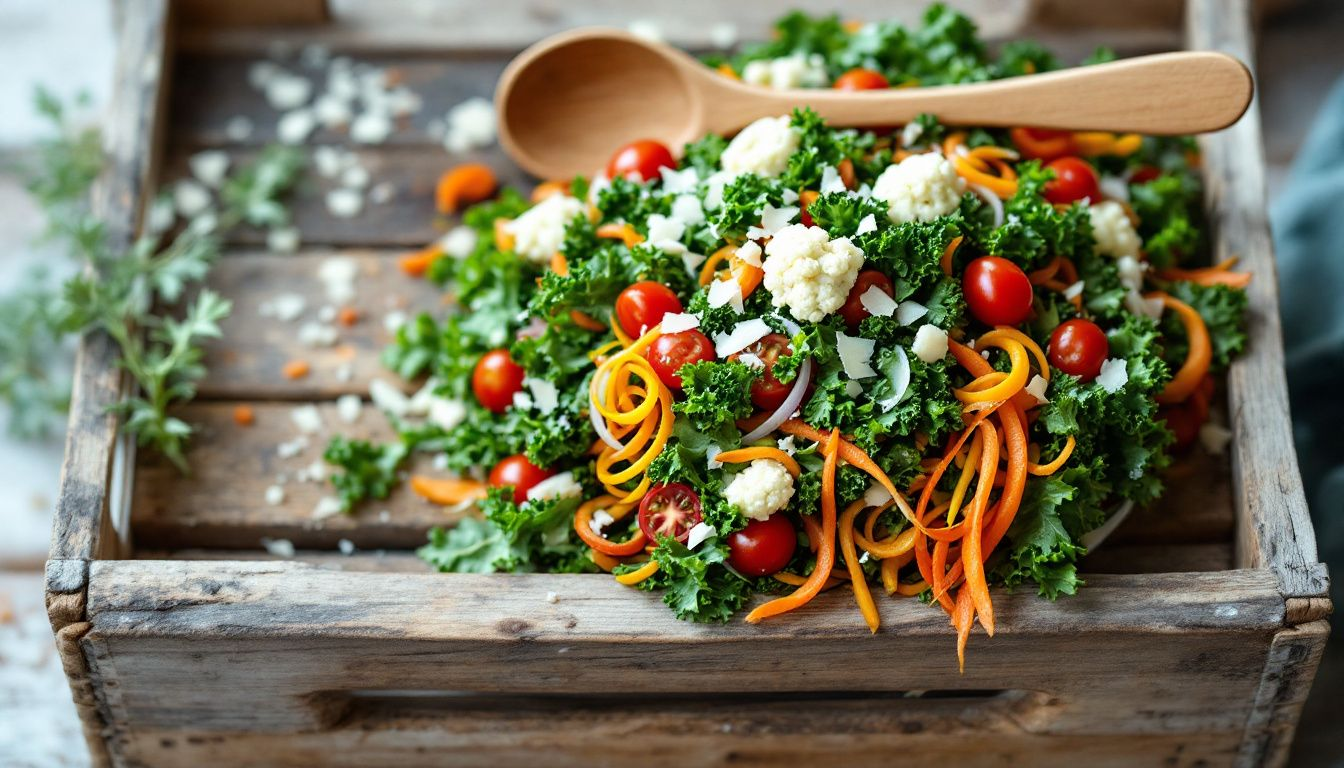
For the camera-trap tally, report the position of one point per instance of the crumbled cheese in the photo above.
(287, 91)
(751, 361)
(446, 413)
(664, 230)
(327, 506)
(760, 490)
(1074, 291)
(394, 320)
(307, 419)
(763, 148)
(283, 239)
(540, 230)
(345, 203)
(459, 242)
(786, 445)
(285, 307)
(382, 192)
(749, 253)
(697, 535)
(728, 292)
(190, 198)
(1137, 304)
(930, 343)
(808, 272)
(687, 210)
(909, 311)
(420, 403)
(866, 224)
(772, 221)
(920, 188)
(295, 127)
(600, 519)
(877, 302)
(1114, 375)
(856, 355)
(679, 182)
(545, 396)
(559, 486)
(853, 388)
(676, 322)
(743, 335)
(714, 189)
(292, 448)
(471, 124)
(210, 167)
(692, 262)
(371, 128)
(329, 161)
(1113, 230)
(552, 597)
(344, 372)
(1114, 187)
(1036, 388)
(275, 495)
(1130, 271)
(522, 401)
(346, 547)
(348, 407)
(388, 398)
(238, 128)
(278, 547)
(831, 181)
(316, 472)
(798, 70)
(356, 176)
(332, 111)
(1215, 438)
(911, 133)
(318, 335)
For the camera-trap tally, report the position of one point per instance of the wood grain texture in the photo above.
(1274, 528)
(1293, 658)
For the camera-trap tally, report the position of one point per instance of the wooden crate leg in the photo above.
(1294, 656)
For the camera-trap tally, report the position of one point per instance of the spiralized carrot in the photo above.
(742, 455)
(447, 491)
(972, 558)
(646, 409)
(463, 185)
(1041, 470)
(862, 594)
(583, 518)
(1011, 384)
(825, 547)
(962, 618)
(1197, 359)
(640, 574)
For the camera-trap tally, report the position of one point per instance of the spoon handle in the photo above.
(1161, 94)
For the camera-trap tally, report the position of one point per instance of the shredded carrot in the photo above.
(862, 594)
(583, 518)
(559, 264)
(447, 491)
(548, 188)
(295, 369)
(636, 576)
(1197, 360)
(348, 316)
(846, 170)
(946, 261)
(243, 415)
(972, 558)
(1207, 276)
(1041, 470)
(623, 232)
(962, 618)
(825, 547)
(586, 322)
(464, 185)
(417, 263)
(743, 455)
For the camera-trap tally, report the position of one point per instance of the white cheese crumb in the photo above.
(679, 182)
(448, 414)
(287, 91)
(522, 401)
(1114, 375)
(920, 188)
(459, 242)
(877, 302)
(930, 343)
(763, 148)
(329, 161)
(394, 320)
(349, 407)
(275, 495)
(307, 419)
(295, 127)
(552, 597)
(560, 486)
(687, 210)
(345, 203)
(545, 396)
(831, 181)
(676, 322)
(238, 129)
(663, 229)
(190, 198)
(751, 361)
(327, 506)
(384, 516)
(210, 167)
(278, 547)
(866, 224)
(1074, 291)
(382, 192)
(344, 372)
(1114, 187)
(337, 275)
(786, 445)
(355, 177)
(600, 519)
(346, 547)
(749, 253)
(798, 70)
(1136, 303)
(743, 335)
(318, 335)
(697, 535)
(646, 29)
(291, 448)
(1215, 438)
(856, 354)
(371, 128)
(161, 215)
(909, 311)
(726, 292)
(1036, 388)
(471, 124)
(332, 111)
(772, 221)
(286, 307)
(283, 239)
(388, 398)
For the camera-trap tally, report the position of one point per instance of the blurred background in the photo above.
(68, 48)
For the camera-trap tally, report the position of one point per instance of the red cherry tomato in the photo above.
(767, 392)
(495, 379)
(520, 473)
(1042, 144)
(642, 306)
(1183, 422)
(1078, 347)
(853, 310)
(997, 291)
(1074, 180)
(763, 547)
(671, 509)
(640, 160)
(860, 79)
(672, 350)
(1144, 174)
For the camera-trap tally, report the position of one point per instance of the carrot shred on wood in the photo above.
(295, 369)
(348, 316)
(862, 594)
(244, 416)
(417, 263)
(464, 185)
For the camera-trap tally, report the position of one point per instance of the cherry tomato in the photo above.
(1183, 422)
(672, 350)
(640, 160)
(671, 509)
(853, 310)
(1078, 347)
(1042, 144)
(520, 473)
(763, 547)
(1144, 174)
(495, 379)
(997, 291)
(860, 79)
(767, 392)
(642, 306)
(1074, 180)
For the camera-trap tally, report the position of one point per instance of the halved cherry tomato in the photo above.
(853, 310)
(1074, 180)
(1042, 144)
(1144, 174)
(997, 291)
(672, 350)
(1078, 347)
(495, 380)
(518, 472)
(763, 547)
(860, 79)
(640, 160)
(670, 509)
(768, 392)
(642, 306)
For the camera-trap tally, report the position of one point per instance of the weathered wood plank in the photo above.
(1293, 658)
(251, 13)
(374, 561)
(1274, 527)
(1113, 557)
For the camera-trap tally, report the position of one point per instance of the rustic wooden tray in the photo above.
(1194, 643)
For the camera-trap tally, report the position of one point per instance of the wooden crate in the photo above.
(1194, 643)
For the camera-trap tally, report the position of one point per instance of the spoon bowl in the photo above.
(565, 104)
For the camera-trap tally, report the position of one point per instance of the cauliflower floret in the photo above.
(761, 489)
(539, 232)
(920, 188)
(808, 272)
(796, 71)
(1113, 230)
(762, 148)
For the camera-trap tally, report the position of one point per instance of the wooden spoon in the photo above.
(568, 102)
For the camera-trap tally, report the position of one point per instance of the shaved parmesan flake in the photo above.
(676, 322)
(448, 414)
(679, 182)
(743, 335)
(1136, 303)
(876, 495)
(711, 455)
(877, 302)
(286, 91)
(692, 262)
(699, 533)
(1074, 291)
(772, 220)
(910, 311)
(930, 343)
(1114, 375)
(686, 209)
(544, 394)
(723, 292)
(831, 181)
(866, 224)
(1215, 438)
(1036, 388)
(853, 388)
(856, 355)
(751, 361)
(749, 253)
(555, 487)
(388, 397)
(662, 228)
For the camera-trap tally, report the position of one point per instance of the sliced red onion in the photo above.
(792, 402)
(533, 330)
(992, 199)
(599, 423)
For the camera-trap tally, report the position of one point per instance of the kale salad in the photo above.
(913, 362)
